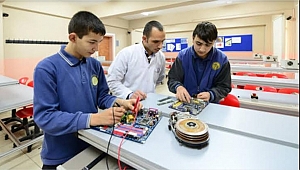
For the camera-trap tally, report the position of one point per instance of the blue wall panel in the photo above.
(175, 44)
(235, 43)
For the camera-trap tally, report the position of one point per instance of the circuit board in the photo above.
(194, 107)
(137, 130)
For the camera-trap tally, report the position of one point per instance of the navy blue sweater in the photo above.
(211, 74)
(66, 91)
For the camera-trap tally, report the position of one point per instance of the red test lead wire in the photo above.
(119, 149)
(136, 103)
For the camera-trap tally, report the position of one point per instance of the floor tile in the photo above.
(19, 159)
(28, 164)
(12, 159)
(37, 159)
(4, 142)
(5, 114)
(35, 150)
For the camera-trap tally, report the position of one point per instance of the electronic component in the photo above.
(189, 130)
(275, 58)
(138, 130)
(254, 97)
(269, 58)
(290, 64)
(194, 107)
(257, 56)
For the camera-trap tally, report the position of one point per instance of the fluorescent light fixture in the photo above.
(147, 13)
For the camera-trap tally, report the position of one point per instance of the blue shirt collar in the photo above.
(70, 59)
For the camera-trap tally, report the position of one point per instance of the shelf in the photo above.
(262, 81)
(235, 68)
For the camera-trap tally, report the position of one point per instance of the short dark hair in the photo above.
(84, 22)
(148, 27)
(206, 31)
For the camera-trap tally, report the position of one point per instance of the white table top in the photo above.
(242, 120)
(241, 58)
(252, 62)
(262, 81)
(276, 128)
(226, 150)
(14, 96)
(239, 139)
(281, 98)
(268, 101)
(85, 157)
(151, 101)
(235, 68)
(7, 81)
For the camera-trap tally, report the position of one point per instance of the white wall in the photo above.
(136, 36)
(24, 25)
(297, 30)
(252, 18)
(28, 21)
(44, 20)
(1, 44)
(278, 36)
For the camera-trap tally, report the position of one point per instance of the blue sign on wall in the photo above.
(234, 43)
(175, 44)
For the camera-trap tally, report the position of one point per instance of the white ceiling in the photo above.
(200, 5)
(197, 4)
(185, 5)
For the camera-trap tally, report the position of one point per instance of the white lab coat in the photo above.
(130, 71)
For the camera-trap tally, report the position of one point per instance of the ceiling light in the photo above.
(147, 13)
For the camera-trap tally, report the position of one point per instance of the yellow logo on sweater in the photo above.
(94, 80)
(215, 66)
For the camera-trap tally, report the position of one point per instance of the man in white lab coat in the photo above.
(138, 68)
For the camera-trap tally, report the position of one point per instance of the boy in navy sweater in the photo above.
(69, 87)
(201, 71)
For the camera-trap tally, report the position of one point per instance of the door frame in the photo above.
(113, 43)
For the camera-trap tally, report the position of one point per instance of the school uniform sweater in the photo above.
(66, 91)
(211, 74)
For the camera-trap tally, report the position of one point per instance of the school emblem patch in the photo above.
(94, 80)
(215, 66)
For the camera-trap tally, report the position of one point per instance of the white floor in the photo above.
(21, 160)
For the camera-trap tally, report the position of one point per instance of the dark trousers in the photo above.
(48, 167)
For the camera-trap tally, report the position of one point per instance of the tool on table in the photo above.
(163, 99)
(165, 102)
